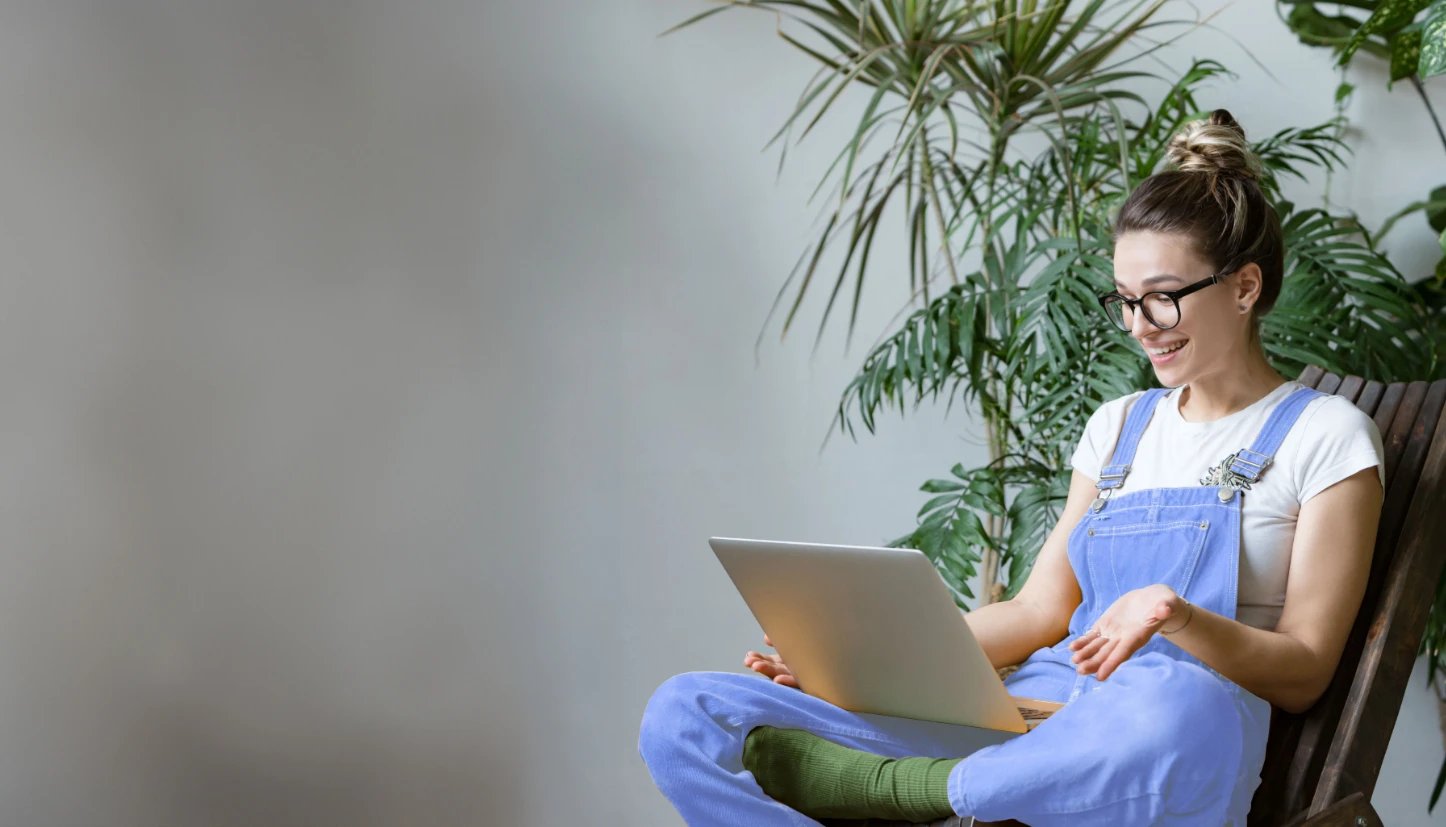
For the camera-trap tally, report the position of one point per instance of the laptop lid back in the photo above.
(869, 630)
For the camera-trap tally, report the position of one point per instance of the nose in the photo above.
(1140, 327)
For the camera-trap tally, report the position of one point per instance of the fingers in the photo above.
(1104, 660)
(1088, 662)
(770, 666)
(776, 672)
(1113, 660)
(762, 666)
(1086, 648)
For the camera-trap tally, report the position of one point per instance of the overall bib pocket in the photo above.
(1121, 558)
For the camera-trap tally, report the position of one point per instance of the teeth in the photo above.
(1162, 351)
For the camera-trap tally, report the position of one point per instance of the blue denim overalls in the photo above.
(1165, 740)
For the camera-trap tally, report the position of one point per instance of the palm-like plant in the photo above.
(1055, 365)
(1010, 129)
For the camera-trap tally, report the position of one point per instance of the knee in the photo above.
(667, 705)
(679, 705)
(1189, 711)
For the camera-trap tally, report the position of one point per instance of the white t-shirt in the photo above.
(1331, 440)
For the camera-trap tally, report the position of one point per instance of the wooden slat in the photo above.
(1311, 375)
(1386, 410)
(1370, 397)
(1359, 746)
(1328, 383)
(1350, 388)
(1353, 811)
(1403, 467)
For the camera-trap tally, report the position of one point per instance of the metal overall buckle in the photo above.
(1110, 474)
(1230, 480)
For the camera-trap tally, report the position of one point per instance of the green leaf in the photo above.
(1436, 788)
(1314, 28)
(1343, 306)
(1405, 53)
(1343, 92)
(1436, 209)
(938, 502)
(1433, 42)
(941, 486)
(1389, 17)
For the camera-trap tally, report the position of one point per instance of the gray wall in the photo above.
(376, 372)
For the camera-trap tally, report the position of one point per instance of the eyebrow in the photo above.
(1153, 280)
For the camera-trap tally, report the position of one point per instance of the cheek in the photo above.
(1212, 321)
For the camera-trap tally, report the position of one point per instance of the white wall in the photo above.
(376, 372)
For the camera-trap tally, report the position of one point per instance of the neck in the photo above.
(1221, 393)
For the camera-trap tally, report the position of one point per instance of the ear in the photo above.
(1248, 282)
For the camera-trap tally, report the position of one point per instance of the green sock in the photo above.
(825, 780)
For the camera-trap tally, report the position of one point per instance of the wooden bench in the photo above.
(1321, 765)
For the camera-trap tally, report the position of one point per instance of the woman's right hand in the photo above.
(770, 666)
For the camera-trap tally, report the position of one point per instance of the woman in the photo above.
(1209, 562)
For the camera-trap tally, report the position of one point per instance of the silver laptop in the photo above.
(873, 630)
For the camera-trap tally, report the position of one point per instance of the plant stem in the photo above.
(989, 566)
(990, 587)
(938, 216)
(1430, 110)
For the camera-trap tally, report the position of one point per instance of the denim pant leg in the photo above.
(1159, 743)
(692, 742)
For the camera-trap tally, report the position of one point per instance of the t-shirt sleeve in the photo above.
(1098, 440)
(1340, 440)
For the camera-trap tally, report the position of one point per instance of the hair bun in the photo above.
(1215, 145)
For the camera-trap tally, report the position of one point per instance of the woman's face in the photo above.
(1214, 328)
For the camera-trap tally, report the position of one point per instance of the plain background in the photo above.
(376, 371)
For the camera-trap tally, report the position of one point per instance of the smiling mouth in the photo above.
(1163, 351)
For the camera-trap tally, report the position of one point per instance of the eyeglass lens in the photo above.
(1160, 310)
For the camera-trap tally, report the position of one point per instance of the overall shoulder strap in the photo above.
(1113, 475)
(1251, 462)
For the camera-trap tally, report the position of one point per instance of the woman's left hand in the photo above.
(1126, 625)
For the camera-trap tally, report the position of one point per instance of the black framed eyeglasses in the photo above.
(1161, 307)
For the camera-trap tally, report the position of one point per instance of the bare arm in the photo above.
(1012, 630)
(1329, 565)
(1292, 665)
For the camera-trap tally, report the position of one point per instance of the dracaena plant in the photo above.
(1006, 132)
